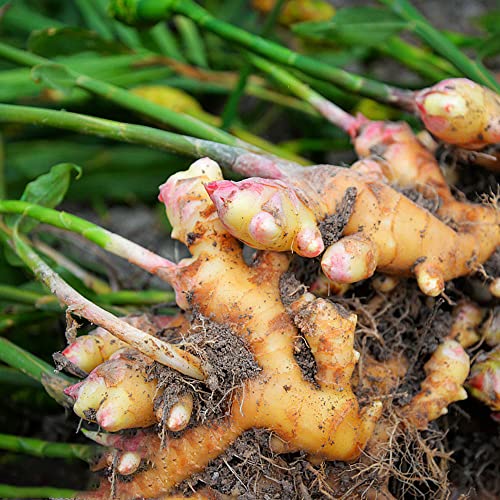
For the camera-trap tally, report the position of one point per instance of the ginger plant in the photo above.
(322, 419)
(142, 376)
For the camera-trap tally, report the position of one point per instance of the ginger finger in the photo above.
(117, 394)
(446, 372)
(277, 220)
(461, 112)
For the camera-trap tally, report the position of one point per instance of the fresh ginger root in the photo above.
(386, 231)
(322, 419)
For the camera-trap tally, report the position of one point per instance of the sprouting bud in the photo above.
(185, 197)
(484, 380)
(491, 328)
(89, 351)
(467, 317)
(351, 259)
(128, 463)
(180, 413)
(461, 112)
(384, 283)
(267, 214)
(117, 394)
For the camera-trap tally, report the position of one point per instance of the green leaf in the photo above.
(47, 190)
(366, 26)
(55, 76)
(68, 41)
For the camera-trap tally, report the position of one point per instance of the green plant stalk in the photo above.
(251, 89)
(181, 121)
(141, 297)
(29, 364)
(46, 449)
(128, 100)
(155, 10)
(16, 294)
(123, 297)
(111, 242)
(330, 111)
(9, 491)
(19, 17)
(10, 376)
(441, 44)
(231, 106)
(232, 158)
(421, 61)
(310, 145)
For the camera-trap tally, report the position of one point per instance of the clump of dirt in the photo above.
(430, 204)
(332, 226)
(230, 362)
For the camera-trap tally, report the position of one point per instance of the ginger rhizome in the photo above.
(321, 418)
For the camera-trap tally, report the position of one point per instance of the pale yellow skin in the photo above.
(461, 112)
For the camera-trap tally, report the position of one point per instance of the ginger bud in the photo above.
(180, 413)
(185, 198)
(350, 259)
(266, 214)
(461, 112)
(484, 380)
(128, 463)
(116, 395)
(467, 317)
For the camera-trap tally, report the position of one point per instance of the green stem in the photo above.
(29, 364)
(93, 19)
(441, 44)
(9, 491)
(122, 297)
(15, 294)
(46, 449)
(105, 239)
(180, 121)
(155, 10)
(194, 47)
(231, 106)
(421, 61)
(133, 297)
(330, 111)
(233, 158)
(11, 376)
(128, 100)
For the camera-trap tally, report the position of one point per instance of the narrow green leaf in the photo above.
(47, 190)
